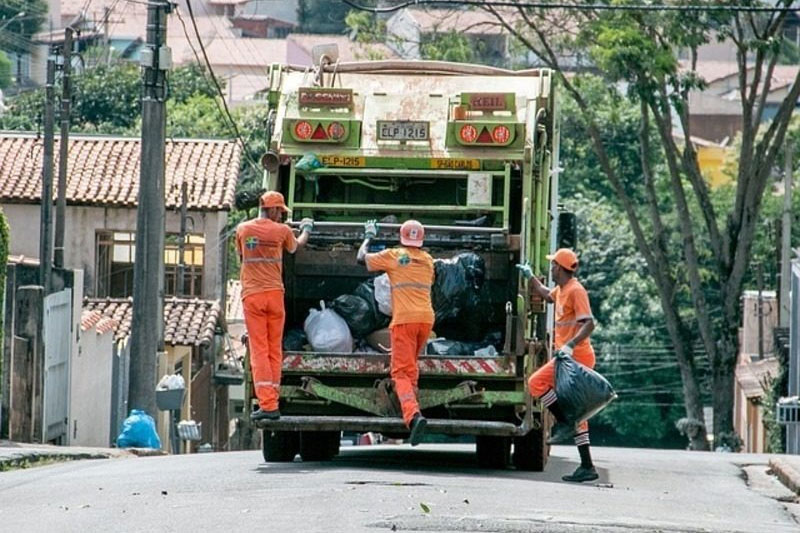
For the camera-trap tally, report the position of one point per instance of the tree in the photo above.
(28, 17)
(640, 48)
(5, 71)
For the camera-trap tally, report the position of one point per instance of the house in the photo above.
(268, 19)
(756, 369)
(299, 47)
(193, 330)
(409, 28)
(100, 222)
(716, 111)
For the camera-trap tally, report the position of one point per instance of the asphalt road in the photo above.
(394, 487)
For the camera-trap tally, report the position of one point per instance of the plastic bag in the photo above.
(383, 294)
(171, 382)
(294, 340)
(582, 392)
(327, 331)
(356, 312)
(450, 347)
(366, 290)
(457, 284)
(138, 431)
(308, 162)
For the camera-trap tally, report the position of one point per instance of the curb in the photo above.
(31, 459)
(787, 473)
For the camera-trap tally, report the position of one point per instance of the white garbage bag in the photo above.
(383, 294)
(327, 331)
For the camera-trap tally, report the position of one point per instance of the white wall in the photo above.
(82, 224)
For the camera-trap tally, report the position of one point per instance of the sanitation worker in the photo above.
(573, 325)
(260, 243)
(410, 271)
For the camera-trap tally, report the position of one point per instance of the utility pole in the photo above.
(786, 237)
(63, 149)
(46, 220)
(182, 241)
(147, 326)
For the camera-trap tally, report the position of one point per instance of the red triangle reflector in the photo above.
(485, 137)
(319, 133)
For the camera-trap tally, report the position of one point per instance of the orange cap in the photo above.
(273, 199)
(565, 258)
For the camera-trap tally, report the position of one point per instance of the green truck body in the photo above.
(469, 151)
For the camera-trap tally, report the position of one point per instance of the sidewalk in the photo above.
(24, 455)
(787, 468)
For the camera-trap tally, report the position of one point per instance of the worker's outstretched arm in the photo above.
(306, 227)
(370, 230)
(536, 286)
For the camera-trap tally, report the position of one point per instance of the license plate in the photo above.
(403, 130)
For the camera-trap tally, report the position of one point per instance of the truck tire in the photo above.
(530, 451)
(279, 446)
(493, 452)
(319, 445)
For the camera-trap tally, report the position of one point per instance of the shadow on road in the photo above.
(456, 462)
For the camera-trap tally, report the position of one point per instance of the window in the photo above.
(193, 249)
(116, 253)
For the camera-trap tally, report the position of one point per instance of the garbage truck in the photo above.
(470, 151)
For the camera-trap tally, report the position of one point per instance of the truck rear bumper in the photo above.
(391, 425)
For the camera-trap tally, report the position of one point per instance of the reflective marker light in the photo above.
(501, 134)
(468, 133)
(303, 129)
(335, 130)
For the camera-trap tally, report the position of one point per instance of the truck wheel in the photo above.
(279, 446)
(530, 451)
(319, 445)
(493, 452)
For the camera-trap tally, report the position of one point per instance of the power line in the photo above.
(574, 7)
(216, 84)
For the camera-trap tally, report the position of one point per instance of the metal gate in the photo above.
(57, 345)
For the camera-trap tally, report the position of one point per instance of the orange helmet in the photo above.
(274, 199)
(412, 233)
(566, 258)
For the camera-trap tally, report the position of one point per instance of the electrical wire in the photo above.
(227, 112)
(574, 7)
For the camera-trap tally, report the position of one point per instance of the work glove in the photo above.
(525, 270)
(307, 224)
(370, 229)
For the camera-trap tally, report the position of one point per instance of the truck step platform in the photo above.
(390, 425)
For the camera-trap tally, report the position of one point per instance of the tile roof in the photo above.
(98, 321)
(104, 171)
(187, 322)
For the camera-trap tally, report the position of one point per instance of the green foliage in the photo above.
(197, 116)
(450, 46)
(106, 98)
(324, 16)
(191, 80)
(16, 36)
(5, 71)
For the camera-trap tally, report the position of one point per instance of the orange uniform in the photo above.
(260, 244)
(572, 308)
(411, 275)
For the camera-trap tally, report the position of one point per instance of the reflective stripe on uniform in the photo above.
(412, 285)
(573, 322)
(268, 384)
(262, 260)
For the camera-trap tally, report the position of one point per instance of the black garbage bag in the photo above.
(457, 285)
(294, 340)
(450, 347)
(582, 392)
(366, 290)
(356, 312)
